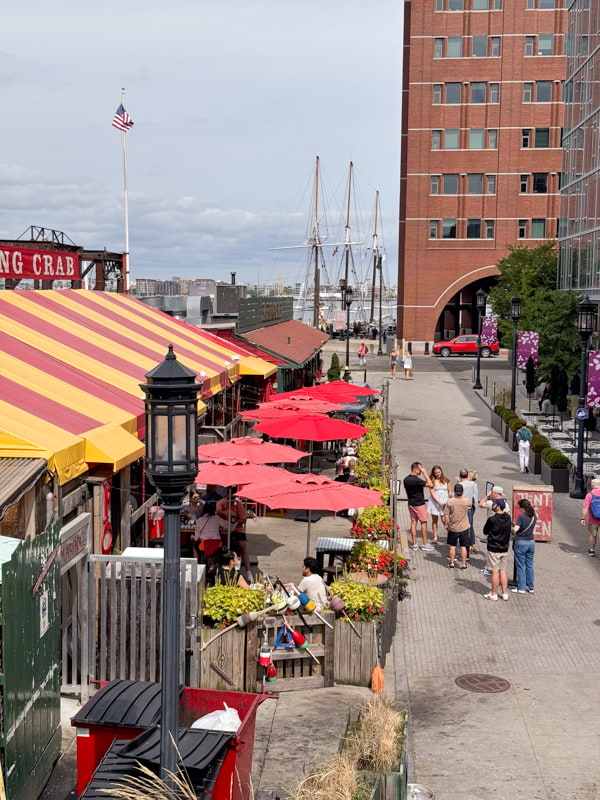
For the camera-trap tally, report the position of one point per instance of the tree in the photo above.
(333, 373)
(531, 272)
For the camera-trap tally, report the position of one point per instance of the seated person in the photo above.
(312, 583)
(226, 571)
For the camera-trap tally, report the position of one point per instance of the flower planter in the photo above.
(512, 440)
(558, 478)
(535, 461)
(496, 422)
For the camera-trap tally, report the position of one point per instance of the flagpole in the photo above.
(126, 204)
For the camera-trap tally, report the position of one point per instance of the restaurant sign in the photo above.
(23, 262)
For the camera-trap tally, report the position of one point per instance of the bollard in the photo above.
(426, 353)
(409, 347)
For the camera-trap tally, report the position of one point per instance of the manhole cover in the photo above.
(486, 684)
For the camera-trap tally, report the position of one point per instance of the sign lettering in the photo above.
(541, 498)
(23, 262)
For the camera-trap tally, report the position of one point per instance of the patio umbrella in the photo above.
(530, 378)
(276, 412)
(336, 391)
(307, 403)
(563, 390)
(252, 449)
(235, 472)
(311, 493)
(311, 427)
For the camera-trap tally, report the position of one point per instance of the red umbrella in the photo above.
(304, 403)
(249, 448)
(275, 412)
(313, 428)
(310, 492)
(336, 391)
(234, 472)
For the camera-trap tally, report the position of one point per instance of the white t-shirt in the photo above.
(314, 587)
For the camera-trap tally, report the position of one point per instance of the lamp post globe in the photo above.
(587, 322)
(171, 401)
(347, 295)
(480, 303)
(515, 313)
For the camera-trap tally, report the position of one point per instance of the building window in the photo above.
(452, 93)
(524, 184)
(526, 137)
(476, 138)
(473, 229)
(522, 229)
(437, 93)
(540, 183)
(529, 45)
(435, 184)
(528, 91)
(545, 44)
(475, 183)
(495, 46)
(436, 140)
(479, 46)
(433, 228)
(454, 47)
(494, 92)
(491, 184)
(492, 139)
(542, 137)
(541, 4)
(478, 92)
(538, 228)
(451, 183)
(489, 229)
(543, 91)
(451, 139)
(449, 5)
(438, 48)
(449, 229)
(487, 5)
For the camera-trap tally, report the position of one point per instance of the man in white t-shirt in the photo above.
(312, 583)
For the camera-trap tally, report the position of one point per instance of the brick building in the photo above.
(481, 150)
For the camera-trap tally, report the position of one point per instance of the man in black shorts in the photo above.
(456, 520)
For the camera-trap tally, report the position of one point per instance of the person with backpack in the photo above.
(524, 546)
(590, 515)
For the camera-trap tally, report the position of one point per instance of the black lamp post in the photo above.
(380, 268)
(347, 294)
(515, 313)
(171, 465)
(587, 319)
(480, 299)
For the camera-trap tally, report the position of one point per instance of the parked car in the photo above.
(464, 346)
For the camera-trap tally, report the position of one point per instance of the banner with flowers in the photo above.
(592, 399)
(528, 343)
(489, 330)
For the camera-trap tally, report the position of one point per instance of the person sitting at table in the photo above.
(235, 513)
(226, 571)
(207, 535)
(312, 583)
(191, 510)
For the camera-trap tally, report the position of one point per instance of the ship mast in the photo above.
(316, 244)
(375, 258)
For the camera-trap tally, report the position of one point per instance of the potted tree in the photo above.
(555, 469)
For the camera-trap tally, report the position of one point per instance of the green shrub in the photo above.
(333, 373)
(515, 424)
(362, 602)
(498, 409)
(507, 415)
(555, 459)
(539, 443)
(224, 604)
(502, 397)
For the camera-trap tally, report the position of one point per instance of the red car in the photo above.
(464, 346)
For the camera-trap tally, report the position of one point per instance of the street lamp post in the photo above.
(380, 268)
(515, 313)
(171, 465)
(347, 294)
(587, 319)
(480, 299)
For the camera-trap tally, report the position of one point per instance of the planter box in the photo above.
(535, 462)
(496, 422)
(512, 440)
(505, 431)
(558, 478)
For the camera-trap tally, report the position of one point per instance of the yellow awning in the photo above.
(251, 365)
(111, 444)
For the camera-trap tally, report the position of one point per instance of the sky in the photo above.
(232, 102)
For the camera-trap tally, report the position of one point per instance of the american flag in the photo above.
(121, 120)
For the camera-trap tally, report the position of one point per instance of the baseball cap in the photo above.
(498, 490)
(500, 503)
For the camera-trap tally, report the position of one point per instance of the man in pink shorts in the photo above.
(417, 505)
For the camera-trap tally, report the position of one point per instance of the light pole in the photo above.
(380, 268)
(515, 313)
(480, 299)
(587, 319)
(347, 294)
(171, 465)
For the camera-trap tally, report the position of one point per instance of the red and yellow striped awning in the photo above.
(71, 363)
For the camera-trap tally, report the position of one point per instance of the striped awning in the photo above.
(71, 365)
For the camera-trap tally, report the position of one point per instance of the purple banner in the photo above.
(489, 330)
(527, 345)
(592, 399)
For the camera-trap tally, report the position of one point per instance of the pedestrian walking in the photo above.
(417, 505)
(439, 494)
(497, 529)
(524, 436)
(456, 521)
(524, 546)
(362, 352)
(393, 362)
(590, 515)
(408, 365)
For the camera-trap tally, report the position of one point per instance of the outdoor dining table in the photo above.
(337, 546)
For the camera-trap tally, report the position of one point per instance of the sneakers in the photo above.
(463, 566)
(530, 591)
(427, 547)
(504, 596)
(451, 565)
(591, 552)
(526, 469)
(414, 547)
(485, 571)
(518, 591)
(490, 596)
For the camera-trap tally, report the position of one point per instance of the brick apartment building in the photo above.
(481, 152)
